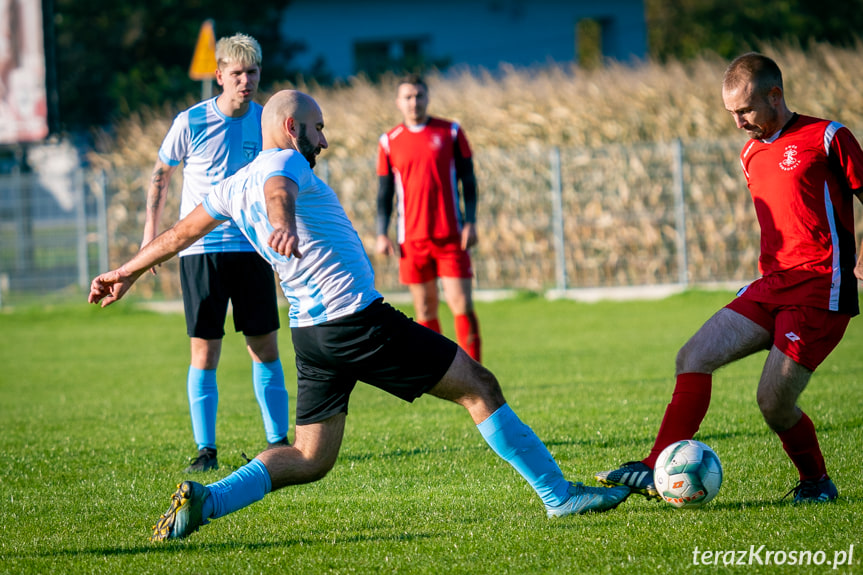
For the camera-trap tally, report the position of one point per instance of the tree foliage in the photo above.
(684, 29)
(117, 56)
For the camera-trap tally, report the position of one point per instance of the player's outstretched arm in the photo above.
(111, 286)
(281, 197)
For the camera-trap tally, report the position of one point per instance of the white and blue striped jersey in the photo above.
(212, 146)
(334, 278)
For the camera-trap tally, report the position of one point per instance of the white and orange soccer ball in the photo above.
(687, 474)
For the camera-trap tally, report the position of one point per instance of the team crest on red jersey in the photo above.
(789, 158)
(436, 142)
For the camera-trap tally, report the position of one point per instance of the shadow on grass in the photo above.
(750, 505)
(445, 450)
(708, 438)
(417, 451)
(647, 440)
(184, 546)
(584, 442)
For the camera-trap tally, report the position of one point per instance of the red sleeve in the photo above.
(383, 166)
(847, 151)
(461, 142)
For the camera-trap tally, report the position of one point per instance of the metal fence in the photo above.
(52, 231)
(548, 218)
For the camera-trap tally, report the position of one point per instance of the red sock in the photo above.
(801, 445)
(433, 324)
(684, 414)
(467, 334)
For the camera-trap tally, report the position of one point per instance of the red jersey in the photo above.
(423, 164)
(802, 182)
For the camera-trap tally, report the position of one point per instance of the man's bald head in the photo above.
(283, 105)
(287, 118)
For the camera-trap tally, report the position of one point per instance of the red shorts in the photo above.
(425, 260)
(805, 334)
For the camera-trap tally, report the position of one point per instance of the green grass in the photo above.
(94, 434)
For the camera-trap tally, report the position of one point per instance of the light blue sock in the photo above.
(246, 485)
(518, 445)
(203, 402)
(272, 396)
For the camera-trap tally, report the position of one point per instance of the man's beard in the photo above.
(308, 151)
(758, 132)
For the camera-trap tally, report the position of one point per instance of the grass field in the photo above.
(95, 434)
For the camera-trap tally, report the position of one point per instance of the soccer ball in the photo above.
(687, 474)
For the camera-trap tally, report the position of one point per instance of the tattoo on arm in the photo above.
(158, 188)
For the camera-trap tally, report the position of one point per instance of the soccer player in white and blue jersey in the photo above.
(342, 331)
(213, 139)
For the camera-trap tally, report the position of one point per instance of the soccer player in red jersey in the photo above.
(803, 174)
(421, 161)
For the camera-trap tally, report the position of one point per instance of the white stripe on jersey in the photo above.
(211, 147)
(836, 284)
(334, 278)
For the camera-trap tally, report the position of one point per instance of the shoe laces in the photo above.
(806, 488)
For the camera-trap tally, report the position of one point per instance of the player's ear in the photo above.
(775, 95)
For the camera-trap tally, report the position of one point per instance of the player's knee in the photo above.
(487, 385)
(690, 360)
(681, 361)
(316, 467)
(263, 348)
(459, 304)
(778, 415)
(425, 310)
(320, 471)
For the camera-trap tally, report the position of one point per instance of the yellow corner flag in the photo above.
(204, 60)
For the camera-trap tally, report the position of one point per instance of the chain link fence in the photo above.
(548, 219)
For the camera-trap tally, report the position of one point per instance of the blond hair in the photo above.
(239, 48)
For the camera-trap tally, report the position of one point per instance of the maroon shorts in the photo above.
(805, 334)
(425, 260)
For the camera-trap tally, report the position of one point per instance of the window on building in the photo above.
(394, 55)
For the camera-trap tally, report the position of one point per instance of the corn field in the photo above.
(615, 131)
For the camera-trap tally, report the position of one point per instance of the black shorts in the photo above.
(244, 278)
(378, 345)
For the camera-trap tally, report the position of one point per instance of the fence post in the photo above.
(23, 184)
(680, 213)
(81, 225)
(102, 220)
(557, 219)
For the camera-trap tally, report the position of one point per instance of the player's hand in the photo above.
(468, 236)
(384, 246)
(285, 242)
(110, 286)
(858, 269)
